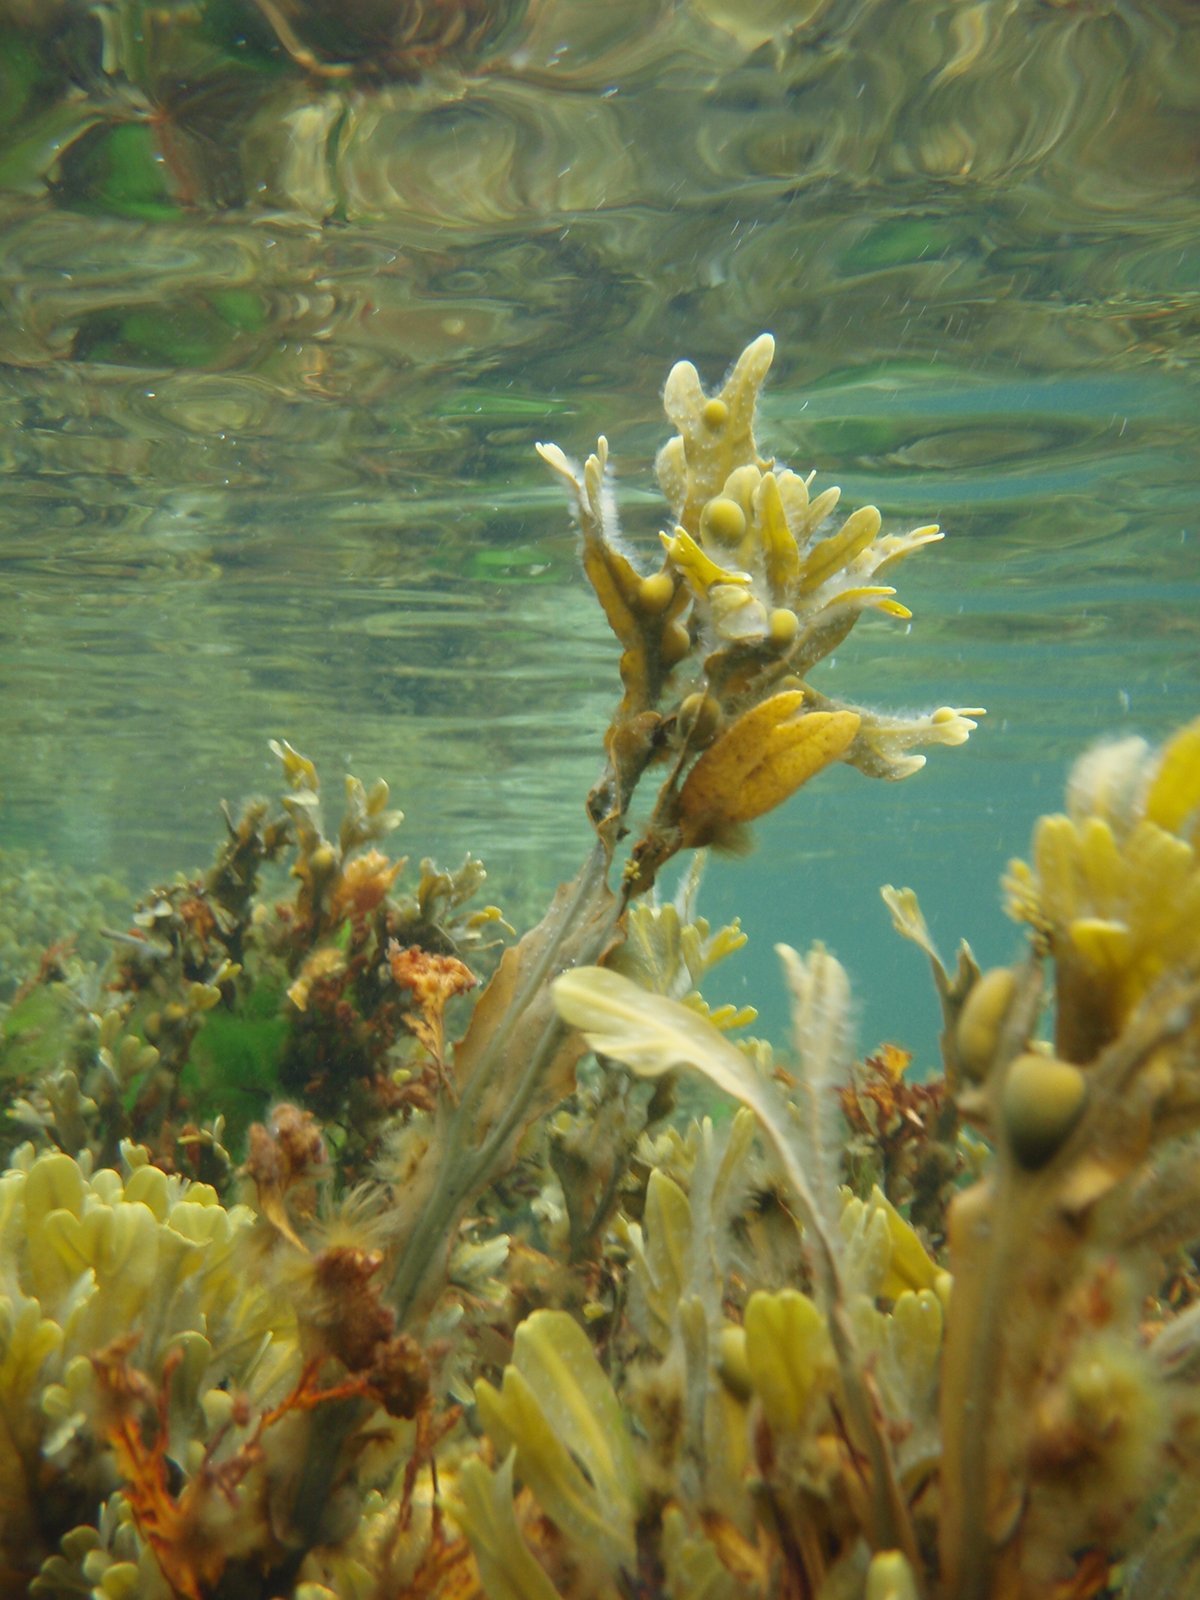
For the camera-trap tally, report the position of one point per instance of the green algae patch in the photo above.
(36, 1030)
(234, 1065)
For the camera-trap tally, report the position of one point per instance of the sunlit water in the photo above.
(274, 363)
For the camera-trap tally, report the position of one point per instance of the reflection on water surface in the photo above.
(288, 300)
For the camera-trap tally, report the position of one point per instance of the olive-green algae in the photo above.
(299, 1297)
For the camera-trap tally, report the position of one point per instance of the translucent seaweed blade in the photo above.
(840, 549)
(484, 1511)
(556, 1357)
(820, 994)
(651, 1035)
(557, 1409)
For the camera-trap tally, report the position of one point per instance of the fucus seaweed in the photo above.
(352, 1247)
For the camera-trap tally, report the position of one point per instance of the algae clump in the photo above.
(348, 1248)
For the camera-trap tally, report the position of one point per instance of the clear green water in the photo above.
(275, 347)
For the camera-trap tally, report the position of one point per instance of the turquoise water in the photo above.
(277, 341)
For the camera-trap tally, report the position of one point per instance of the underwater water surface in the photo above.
(284, 312)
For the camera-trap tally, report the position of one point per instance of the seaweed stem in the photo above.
(462, 1171)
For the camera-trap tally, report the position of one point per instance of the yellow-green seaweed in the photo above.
(462, 1308)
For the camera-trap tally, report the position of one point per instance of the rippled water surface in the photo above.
(289, 292)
